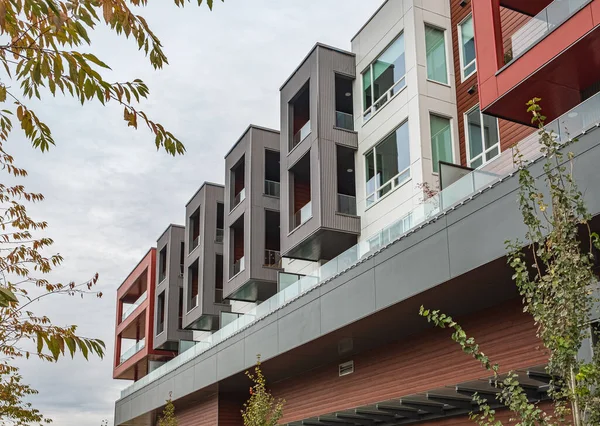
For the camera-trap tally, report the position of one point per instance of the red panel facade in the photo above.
(140, 323)
(548, 69)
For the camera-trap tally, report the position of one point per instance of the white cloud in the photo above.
(109, 194)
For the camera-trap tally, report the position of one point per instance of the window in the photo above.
(162, 264)
(436, 54)
(466, 36)
(482, 136)
(388, 164)
(441, 141)
(160, 313)
(384, 78)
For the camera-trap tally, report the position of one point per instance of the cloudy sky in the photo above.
(109, 194)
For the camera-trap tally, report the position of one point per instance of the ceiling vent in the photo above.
(346, 368)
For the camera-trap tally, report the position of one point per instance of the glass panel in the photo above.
(468, 45)
(367, 95)
(393, 154)
(436, 55)
(441, 141)
(490, 131)
(555, 14)
(474, 133)
(389, 68)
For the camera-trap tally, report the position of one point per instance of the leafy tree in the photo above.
(261, 409)
(557, 290)
(44, 54)
(168, 417)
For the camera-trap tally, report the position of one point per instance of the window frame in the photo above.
(444, 31)
(484, 151)
(452, 148)
(391, 181)
(367, 117)
(460, 50)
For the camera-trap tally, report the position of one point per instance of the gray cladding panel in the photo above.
(171, 239)
(207, 199)
(330, 63)
(252, 146)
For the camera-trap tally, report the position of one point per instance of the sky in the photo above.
(110, 194)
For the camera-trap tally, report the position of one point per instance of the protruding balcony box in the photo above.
(134, 336)
(168, 302)
(203, 265)
(252, 247)
(539, 58)
(318, 145)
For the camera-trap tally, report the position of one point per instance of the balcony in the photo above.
(272, 259)
(344, 120)
(542, 24)
(301, 134)
(238, 266)
(272, 188)
(302, 215)
(346, 204)
(131, 308)
(181, 270)
(240, 196)
(219, 236)
(141, 344)
(538, 58)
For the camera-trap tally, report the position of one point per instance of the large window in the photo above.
(441, 141)
(384, 78)
(482, 136)
(388, 164)
(436, 54)
(466, 39)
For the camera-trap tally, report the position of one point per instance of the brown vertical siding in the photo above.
(202, 413)
(510, 133)
(301, 194)
(230, 406)
(424, 362)
(238, 244)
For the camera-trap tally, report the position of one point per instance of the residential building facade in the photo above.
(389, 187)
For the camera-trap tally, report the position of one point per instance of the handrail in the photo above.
(139, 345)
(134, 306)
(301, 134)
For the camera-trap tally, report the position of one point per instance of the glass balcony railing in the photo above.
(303, 215)
(346, 204)
(570, 125)
(241, 196)
(272, 188)
(139, 345)
(272, 259)
(301, 134)
(133, 306)
(344, 120)
(219, 236)
(554, 15)
(181, 270)
(238, 266)
(195, 242)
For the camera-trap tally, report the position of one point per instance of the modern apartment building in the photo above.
(390, 186)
